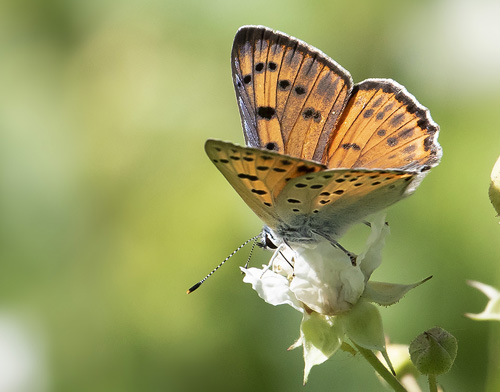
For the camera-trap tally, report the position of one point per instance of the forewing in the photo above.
(290, 94)
(383, 127)
(258, 175)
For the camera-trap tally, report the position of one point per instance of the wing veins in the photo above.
(384, 140)
(352, 123)
(295, 78)
(308, 95)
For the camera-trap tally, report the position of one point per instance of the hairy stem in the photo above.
(380, 369)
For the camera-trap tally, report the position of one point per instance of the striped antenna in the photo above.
(195, 286)
(251, 250)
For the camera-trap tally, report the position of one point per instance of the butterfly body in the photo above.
(321, 152)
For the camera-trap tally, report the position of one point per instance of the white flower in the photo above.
(334, 294)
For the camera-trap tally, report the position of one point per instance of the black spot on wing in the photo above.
(309, 113)
(406, 133)
(299, 90)
(354, 146)
(266, 112)
(378, 102)
(248, 177)
(305, 169)
(368, 113)
(284, 85)
(271, 146)
(392, 141)
(409, 149)
(397, 119)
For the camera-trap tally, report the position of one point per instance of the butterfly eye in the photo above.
(269, 243)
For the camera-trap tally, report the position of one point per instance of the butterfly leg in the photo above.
(278, 252)
(370, 225)
(351, 255)
(336, 244)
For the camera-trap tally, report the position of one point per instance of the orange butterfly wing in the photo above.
(295, 197)
(258, 175)
(383, 126)
(375, 138)
(329, 201)
(289, 94)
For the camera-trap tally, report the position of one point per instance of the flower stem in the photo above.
(380, 368)
(432, 383)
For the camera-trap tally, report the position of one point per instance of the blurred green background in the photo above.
(110, 209)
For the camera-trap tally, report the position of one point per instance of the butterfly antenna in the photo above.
(195, 286)
(251, 250)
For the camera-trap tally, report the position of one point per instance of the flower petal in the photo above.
(386, 294)
(321, 338)
(271, 287)
(325, 279)
(371, 258)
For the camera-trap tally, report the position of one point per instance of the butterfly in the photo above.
(322, 153)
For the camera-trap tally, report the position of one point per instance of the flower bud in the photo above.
(434, 351)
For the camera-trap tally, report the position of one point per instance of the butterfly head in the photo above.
(269, 240)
